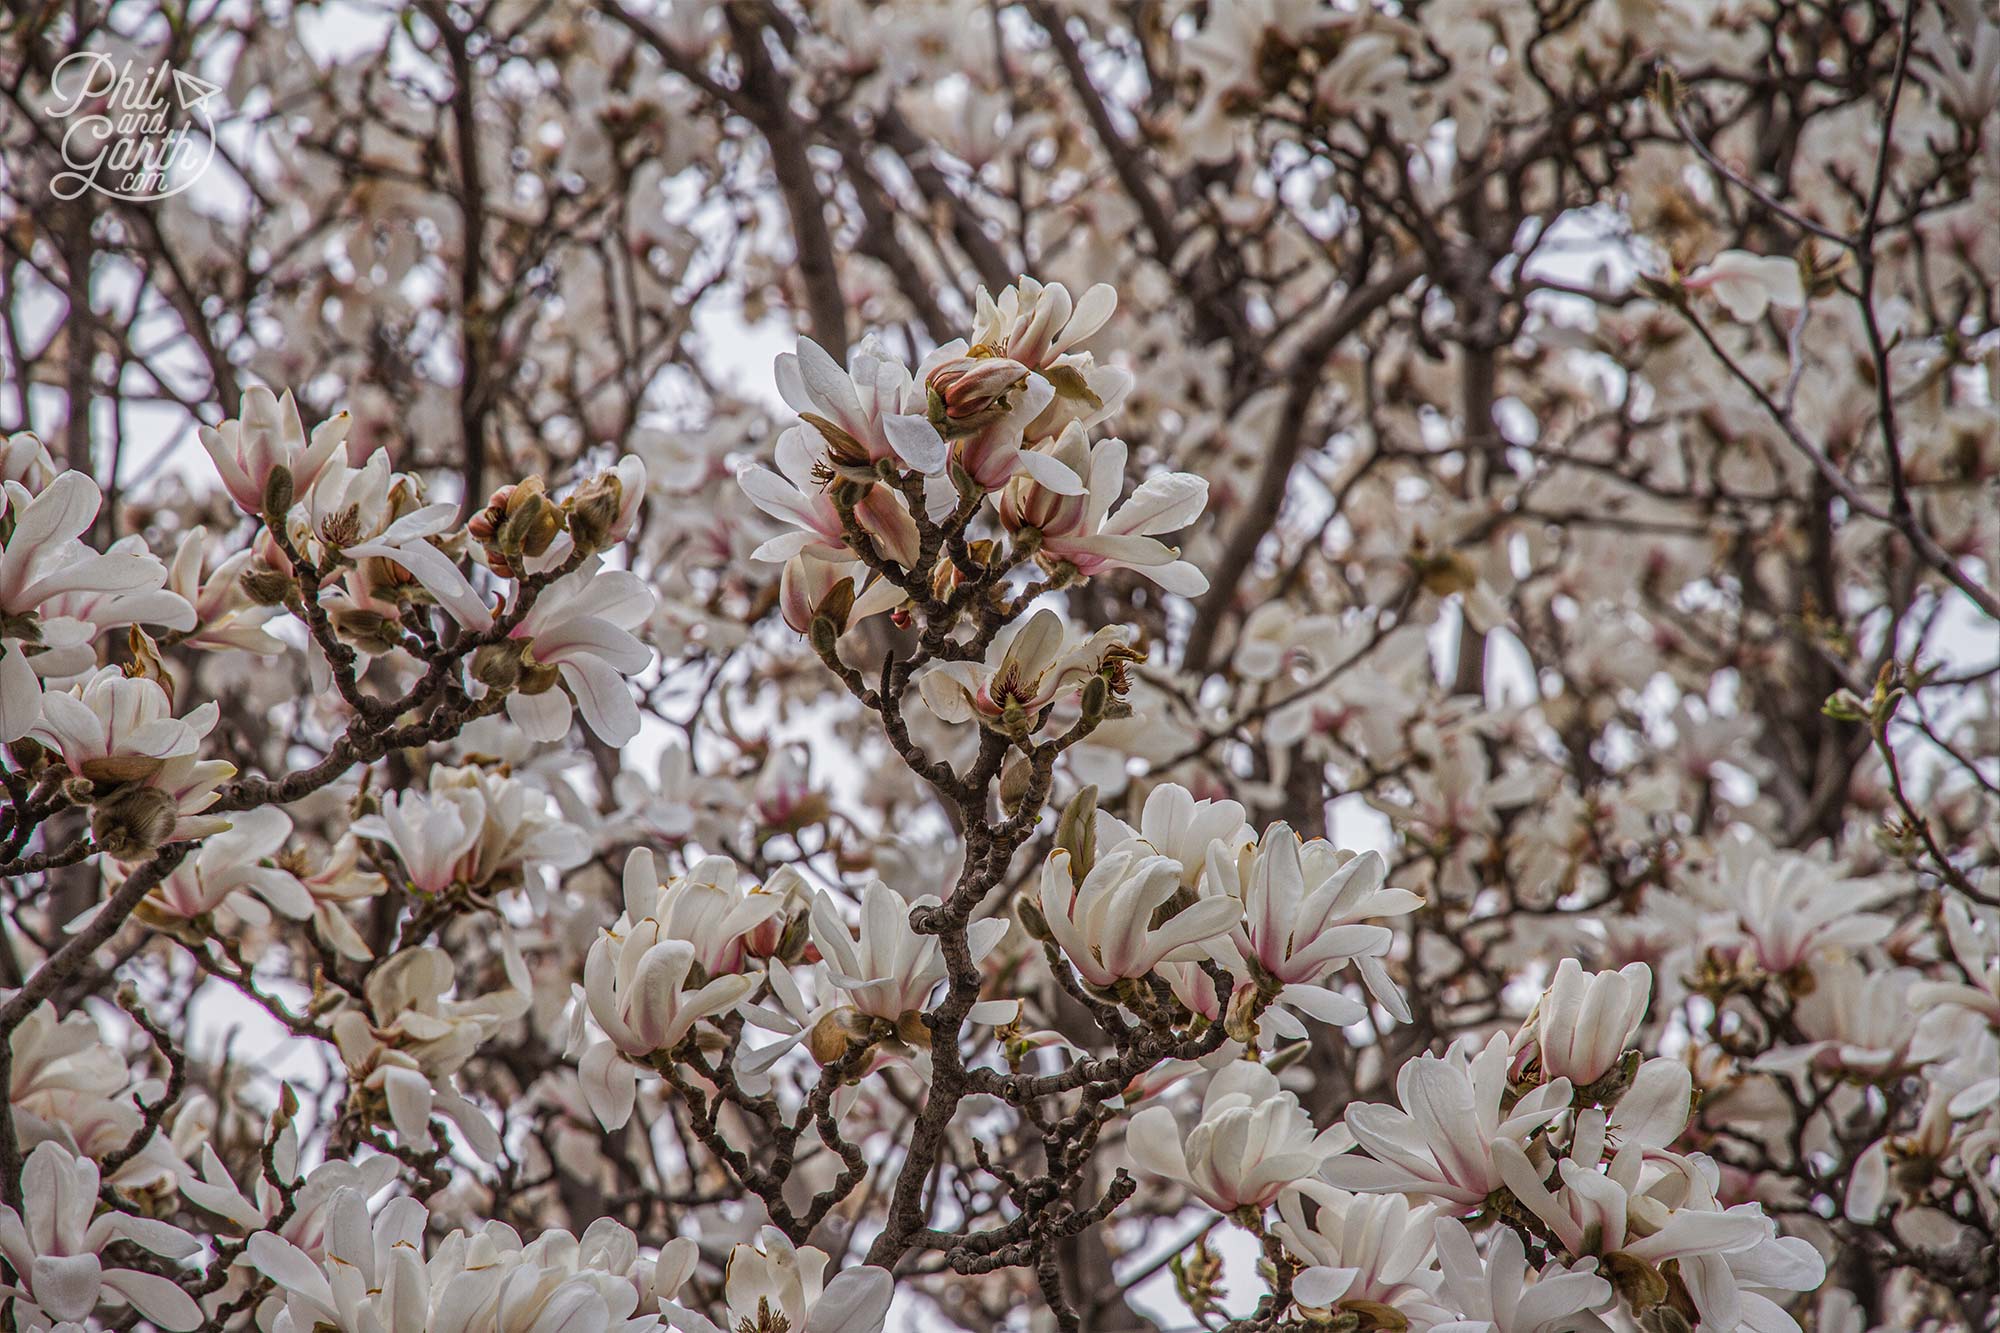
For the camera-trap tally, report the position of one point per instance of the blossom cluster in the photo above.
(1340, 680)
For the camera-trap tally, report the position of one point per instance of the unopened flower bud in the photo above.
(277, 495)
(370, 631)
(517, 522)
(1015, 780)
(825, 637)
(263, 585)
(531, 524)
(593, 511)
(133, 822)
(1096, 693)
(498, 665)
(1076, 833)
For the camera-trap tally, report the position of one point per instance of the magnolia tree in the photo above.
(1344, 680)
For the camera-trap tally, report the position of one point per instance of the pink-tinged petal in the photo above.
(792, 385)
(778, 497)
(1868, 1183)
(541, 717)
(1655, 1109)
(1201, 920)
(828, 388)
(856, 1301)
(162, 1238)
(426, 522)
(66, 1285)
(410, 1096)
(1093, 310)
(118, 573)
(61, 513)
(1526, 1182)
(159, 1299)
(1783, 1263)
(882, 515)
(1319, 1287)
(916, 442)
(439, 576)
(592, 637)
(1366, 1176)
(604, 700)
(287, 1266)
(1327, 1006)
(788, 544)
(1161, 504)
(1153, 1141)
(20, 693)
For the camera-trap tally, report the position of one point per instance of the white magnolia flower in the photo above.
(407, 1045)
(523, 835)
(1034, 323)
(1585, 1021)
(645, 982)
(148, 784)
(63, 1076)
(1975, 943)
(580, 628)
(116, 728)
(338, 881)
(872, 412)
(306, 1204)
(798, 494)
(1084, 532)
(1253, 1140)
(230, 868)
(25, 459)
(1658, 1207)
(371, 1279)
(1858, 1022)
(369, 1275)
(1495, 1294)
(1105, 925)
(225, 617)
(1173, 823)
(54, 1247)
(1791, 906)
(266, 434)
(432, 834)
(773, 1284)
(1441, 1145)
(1746, 284)
(987, 404)
(890, 970)
(42, 567)
(1029, 666)
(1305, 914)
(404, 548)
(708, 906)
(807, 587)
(1359, 1247)
(641, 992)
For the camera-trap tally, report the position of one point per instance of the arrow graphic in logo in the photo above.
(192, 91)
